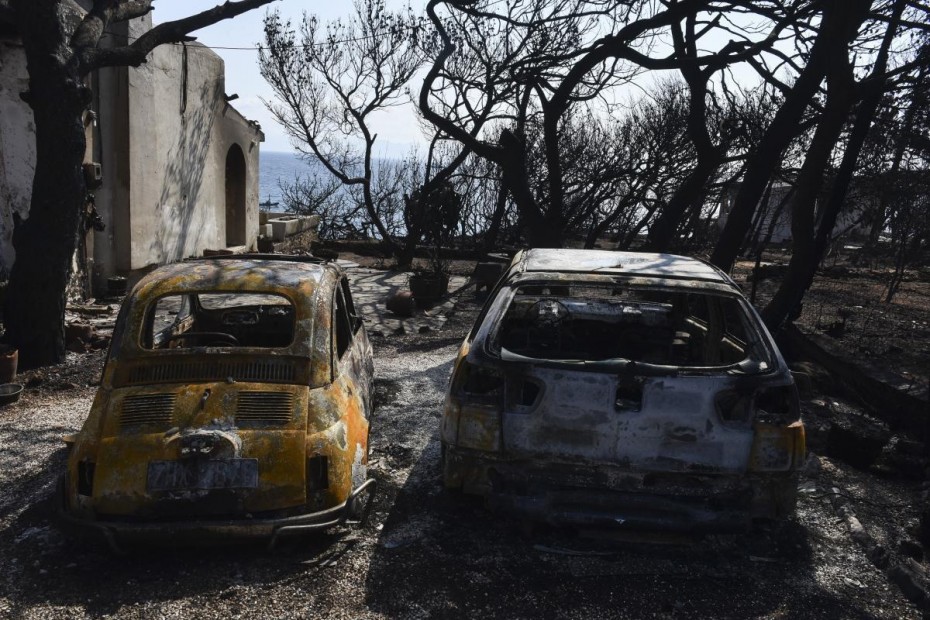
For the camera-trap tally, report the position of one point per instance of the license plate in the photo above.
(203, 474)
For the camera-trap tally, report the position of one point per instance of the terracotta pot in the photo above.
(401, 304)
(9, 359)
(116, 286)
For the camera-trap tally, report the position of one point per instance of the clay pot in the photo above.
(401, 304)
(116, 286)
(9, 360)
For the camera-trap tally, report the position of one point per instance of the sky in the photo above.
(397, 129)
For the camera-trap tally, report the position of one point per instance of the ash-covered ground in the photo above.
(424, 553)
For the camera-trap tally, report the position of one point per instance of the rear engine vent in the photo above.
(265, 407)
(278, 371)
(147, 409)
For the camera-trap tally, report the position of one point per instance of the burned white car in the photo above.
(622, 389)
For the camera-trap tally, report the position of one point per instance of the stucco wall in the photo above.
(17, 147)
(848, 220)
(167, 130)
(235, 129)
(180, 129)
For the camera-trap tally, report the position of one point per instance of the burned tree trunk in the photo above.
(664, 231)
(494, 229)
(839, 23)
(810, 180)
(542, 230)
(46, 240)
(810, 245)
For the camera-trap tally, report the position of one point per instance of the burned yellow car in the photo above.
(615, 389)
(235, 402)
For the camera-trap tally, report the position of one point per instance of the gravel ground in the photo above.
(424, 553)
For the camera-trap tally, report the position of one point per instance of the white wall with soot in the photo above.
(17, 147)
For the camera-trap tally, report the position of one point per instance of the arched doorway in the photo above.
(235, 196)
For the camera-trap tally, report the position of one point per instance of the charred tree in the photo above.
(708, 156)
(833, 35)
(807, 190)
(809, 244)
(329, 79)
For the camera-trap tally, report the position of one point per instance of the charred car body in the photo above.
(235, 401)
(622, 389)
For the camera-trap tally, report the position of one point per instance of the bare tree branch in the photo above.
(130, 10)
(447, 126)
(169, 32)
(102, 13)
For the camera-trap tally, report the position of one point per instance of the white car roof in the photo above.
(630, 263)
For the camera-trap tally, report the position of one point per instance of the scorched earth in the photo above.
(426, 553)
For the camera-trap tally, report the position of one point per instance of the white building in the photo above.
(774, 213)
(179, 163)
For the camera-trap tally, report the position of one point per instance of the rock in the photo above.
(35, 380)
(907, 577)
(812, 466)
(820, 379)
(100, 342)
(424, 329)
(767, 271)
(856, 441)
(77, 346)
(401, 304)
(911, 549)
(79, 331)
(908, 458)
(265, 244)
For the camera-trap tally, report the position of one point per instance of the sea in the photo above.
(275, 167)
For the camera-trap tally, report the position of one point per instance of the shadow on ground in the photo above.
(442, 555)
(46, 569)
